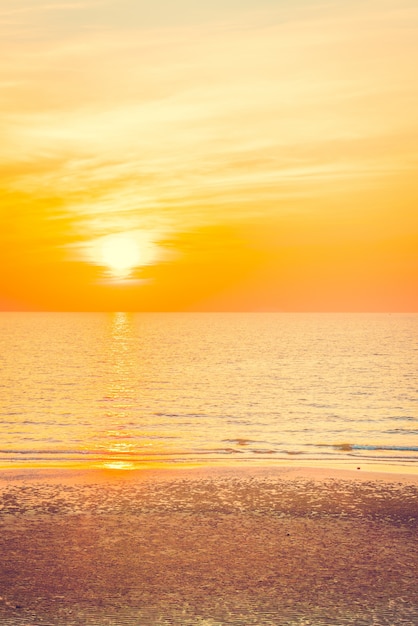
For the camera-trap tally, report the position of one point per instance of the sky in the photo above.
(234, 155)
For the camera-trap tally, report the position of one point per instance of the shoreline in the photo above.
(208, 546)
(362, 473)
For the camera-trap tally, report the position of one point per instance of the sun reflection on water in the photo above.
(118, 465)
(123, 439)
(115, 439)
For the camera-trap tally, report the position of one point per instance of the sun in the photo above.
(120, 253)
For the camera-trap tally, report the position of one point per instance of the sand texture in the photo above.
(202, 548)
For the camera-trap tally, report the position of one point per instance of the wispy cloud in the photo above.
(56, 6)
(178, 126)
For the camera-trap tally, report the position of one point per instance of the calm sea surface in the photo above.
(119, 390)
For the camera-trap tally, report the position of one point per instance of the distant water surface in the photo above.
(121, 389)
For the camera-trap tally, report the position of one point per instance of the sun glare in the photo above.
(123, 253)
(120, 253)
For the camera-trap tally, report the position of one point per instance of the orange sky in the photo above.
(261, 155)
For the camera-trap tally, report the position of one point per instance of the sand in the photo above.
(208, 547)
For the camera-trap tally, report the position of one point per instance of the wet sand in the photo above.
(208, 547)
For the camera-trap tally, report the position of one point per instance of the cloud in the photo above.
(21, 7)
(180, 126)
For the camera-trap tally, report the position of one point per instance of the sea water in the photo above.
(124, 389)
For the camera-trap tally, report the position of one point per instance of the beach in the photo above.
(208, 546)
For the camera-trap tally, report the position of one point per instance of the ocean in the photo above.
(127, 390)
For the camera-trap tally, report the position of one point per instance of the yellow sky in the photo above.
(261, 155)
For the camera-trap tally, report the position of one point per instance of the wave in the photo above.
(242, 450)
(346, 447)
